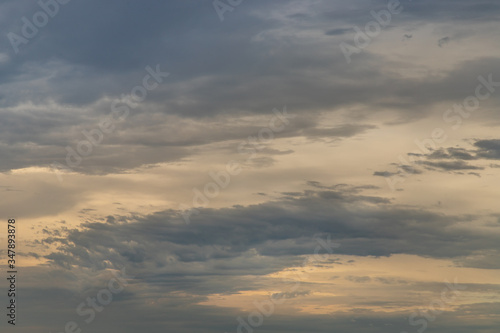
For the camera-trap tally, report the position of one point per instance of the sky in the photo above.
(251, 166)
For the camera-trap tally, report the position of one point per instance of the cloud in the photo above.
(488, 149)
(338, 31)
(451, 153)
(264, 238)
(451, 166)
(454, 159)
(64, 80)
(443, 41)
(226, 78)
(358, 279)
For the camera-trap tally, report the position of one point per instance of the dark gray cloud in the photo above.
(40, 138)
(221, 248)
(443, 41)
(488, 149)
(338, 31)
(451, 153)
(235, 236)
(402, 170)
(451, 159)
(247, 65)
(235, 67)
(129, 312)
(266, 54)
(449, 166)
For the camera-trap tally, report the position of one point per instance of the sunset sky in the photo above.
(251, 166)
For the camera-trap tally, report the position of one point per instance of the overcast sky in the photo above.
(252, 166)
